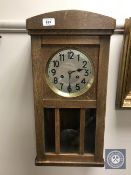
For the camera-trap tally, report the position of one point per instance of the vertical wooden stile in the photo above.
(57, 131)
(82, 130)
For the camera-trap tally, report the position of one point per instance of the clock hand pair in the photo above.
(69, 73)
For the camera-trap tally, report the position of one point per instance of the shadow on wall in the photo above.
(123, 119)
(66, 170)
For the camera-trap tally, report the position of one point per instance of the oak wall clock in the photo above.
(70, 52)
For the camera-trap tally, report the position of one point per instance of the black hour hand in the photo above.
(79, 70)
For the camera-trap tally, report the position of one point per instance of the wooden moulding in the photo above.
(85, 160)
(123, 96)
(69, 163)
(71, 22)
(77, 19)
(72, 40)
(68, 103)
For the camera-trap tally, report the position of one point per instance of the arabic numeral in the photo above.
(70, 55)
(77, 87)
(55, 80)
(61, 84)
(86, 72)
(61, 57)
(53, 71)
(56, 63)
(84, 64)
(78, 56)
(83, 81)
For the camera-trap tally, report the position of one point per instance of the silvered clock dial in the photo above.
(69, 73)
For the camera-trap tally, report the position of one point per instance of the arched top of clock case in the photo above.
(72, 19)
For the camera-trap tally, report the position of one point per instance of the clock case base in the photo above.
(69, 163)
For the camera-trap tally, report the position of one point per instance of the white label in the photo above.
(48, 21)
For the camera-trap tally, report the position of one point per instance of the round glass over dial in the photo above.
(69, 73)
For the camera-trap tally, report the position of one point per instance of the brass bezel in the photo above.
(75, 94)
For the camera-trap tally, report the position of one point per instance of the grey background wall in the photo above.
(17, 132)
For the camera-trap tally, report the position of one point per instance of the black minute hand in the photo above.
(78, 70)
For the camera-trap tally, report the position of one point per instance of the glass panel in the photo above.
(70, 130)
(49, 125)
(90, 127)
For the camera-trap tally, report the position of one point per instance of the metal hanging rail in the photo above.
(13, 26)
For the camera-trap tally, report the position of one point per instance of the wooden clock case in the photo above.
(90, 33)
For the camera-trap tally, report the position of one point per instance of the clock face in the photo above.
(69, 73)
